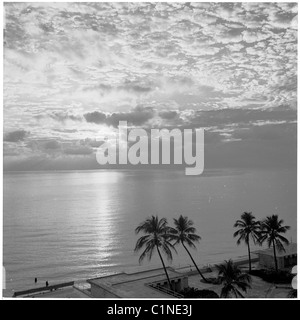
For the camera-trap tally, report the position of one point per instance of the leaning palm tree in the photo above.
(248, 228)
(156, 237)
(271, 228)
(184, 233)
(232, 279)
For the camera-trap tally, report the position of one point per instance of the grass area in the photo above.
(271, 276)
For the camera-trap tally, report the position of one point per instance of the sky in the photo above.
(72, 71)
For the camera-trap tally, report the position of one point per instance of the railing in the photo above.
(166, 290)
(43, 289)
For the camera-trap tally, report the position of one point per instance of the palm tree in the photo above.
(248, 228)
(232, 279)
(184, 233)
(271, 228)
(156, 237)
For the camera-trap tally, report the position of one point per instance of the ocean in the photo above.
(75, 225)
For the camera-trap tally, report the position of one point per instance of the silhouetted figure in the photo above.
(35, 280)
(47, 284)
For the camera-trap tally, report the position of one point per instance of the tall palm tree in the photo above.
(184, 233)
(232, 279)
(271, 228)
(248, 228)
(156, 237)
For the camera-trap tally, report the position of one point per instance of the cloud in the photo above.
(269, 132)
(80, 68)
(93, 143)
(78, 150)
(95, 117)
(240, 116)
(60, 116)
(267, 146)
(169, 114)
(281, 19)
(65, 130)
(138, 49)
(15, 136)
(251, 36)
(137, 116)
(136, 86)
(52, 145)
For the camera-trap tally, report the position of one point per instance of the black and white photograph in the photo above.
(149, 152)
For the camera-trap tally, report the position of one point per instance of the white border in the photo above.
(1, 136)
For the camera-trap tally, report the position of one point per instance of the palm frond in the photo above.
(141, 242)
(232, 279)
(247, 227)
(271, 228)
(190, 242)
(148, 252)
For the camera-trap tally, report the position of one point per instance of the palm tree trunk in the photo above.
(275, 258)
(162, 261)
(249, 255)
(239, 294)
(194, 262)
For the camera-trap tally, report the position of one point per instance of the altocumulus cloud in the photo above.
(228, 67)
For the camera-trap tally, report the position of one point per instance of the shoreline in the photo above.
(184, 270)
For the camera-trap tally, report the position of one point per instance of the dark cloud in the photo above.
(137, 116)
(168, 115)
(52, 145)
(240, 120)
(136, 86)
(78, 150)
(15, 136)
(139, 86)
(48, 146)
(95, 117)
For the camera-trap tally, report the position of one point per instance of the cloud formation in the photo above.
(136, 117)
(15, 136)
(72, 71)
